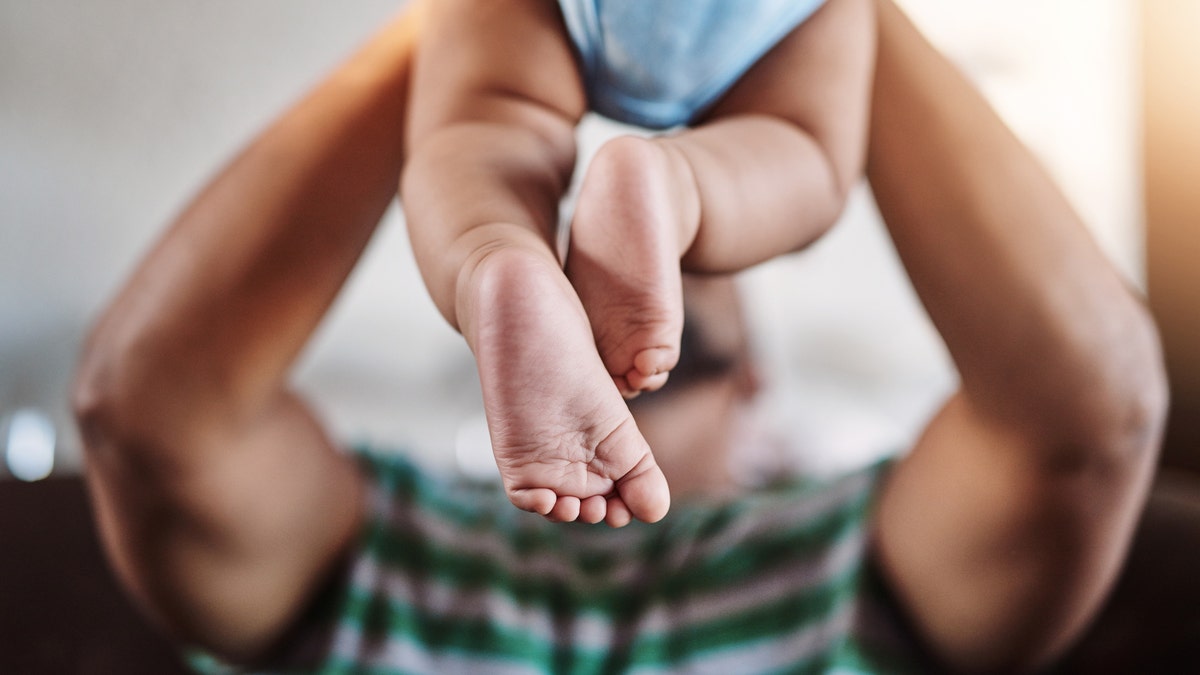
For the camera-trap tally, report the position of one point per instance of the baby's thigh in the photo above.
(507, 61)
(819, 78)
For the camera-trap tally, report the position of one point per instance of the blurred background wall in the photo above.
(112, 114)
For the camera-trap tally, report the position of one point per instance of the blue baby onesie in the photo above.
(662, 63)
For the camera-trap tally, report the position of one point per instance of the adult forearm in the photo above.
(1043, 331)
(216, 312)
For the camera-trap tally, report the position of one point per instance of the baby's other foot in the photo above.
(630, 224)
(563, 438)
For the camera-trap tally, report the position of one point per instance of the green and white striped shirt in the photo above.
(448, 577)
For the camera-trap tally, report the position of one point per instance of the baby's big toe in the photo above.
(651, 368)
(645, 492)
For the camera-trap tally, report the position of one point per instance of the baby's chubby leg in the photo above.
(638, 211)
(766, 173)
(776, 158)
(495, 100)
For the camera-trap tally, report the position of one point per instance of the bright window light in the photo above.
(30, 447)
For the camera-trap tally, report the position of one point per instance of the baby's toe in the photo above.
(593, 509)
(618, 514)
(566, 510)
(640, 383)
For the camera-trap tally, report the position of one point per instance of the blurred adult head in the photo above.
(692, 423)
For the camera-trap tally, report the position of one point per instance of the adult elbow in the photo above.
(108, 403)
(1122, 417)
(1138, 413)
(1146, 411)
(95, 398)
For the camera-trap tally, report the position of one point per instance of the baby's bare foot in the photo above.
(563, 438)
(633, 218)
